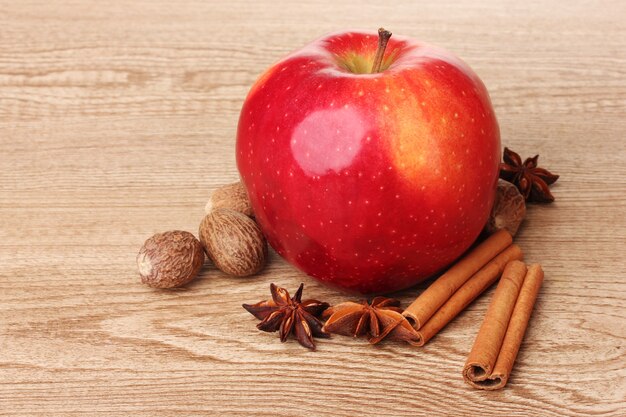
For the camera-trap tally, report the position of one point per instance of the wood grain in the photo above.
(117, 117)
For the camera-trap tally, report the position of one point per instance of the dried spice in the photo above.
(377, 320)
(531, 180)
(289, 315)
(508, 210)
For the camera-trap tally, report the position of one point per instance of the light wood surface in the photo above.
(118, 117)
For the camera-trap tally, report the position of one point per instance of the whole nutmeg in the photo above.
(170, 259)
(234, 242)
(509, 209)
(231, 196)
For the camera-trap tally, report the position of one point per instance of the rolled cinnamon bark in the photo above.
(446, 285)
(475, 286)
(492, 357)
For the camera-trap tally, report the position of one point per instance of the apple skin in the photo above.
(369, 182)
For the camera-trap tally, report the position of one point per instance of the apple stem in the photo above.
(383, 38)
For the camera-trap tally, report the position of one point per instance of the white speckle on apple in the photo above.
(385, 107)
(361, 93)
(423, 103)
(456, 115)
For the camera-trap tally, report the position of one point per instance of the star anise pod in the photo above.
(531, 180)
(377, 320)
(290, 315)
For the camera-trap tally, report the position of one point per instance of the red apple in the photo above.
(370, 182)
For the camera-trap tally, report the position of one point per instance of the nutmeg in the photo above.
(233, 241)
(170, 259)
(509, 209)
(231, 196)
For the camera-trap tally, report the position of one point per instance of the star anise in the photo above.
(290, 315)
(378, 320)
(531, 180)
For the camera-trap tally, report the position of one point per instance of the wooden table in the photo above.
(117, 118)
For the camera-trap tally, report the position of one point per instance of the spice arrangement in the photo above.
(409, 221)
(491, 360)
(461, 284)
(228, 234)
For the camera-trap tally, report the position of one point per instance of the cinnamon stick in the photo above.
(446, 285)
(491, 360)
(475, 286)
